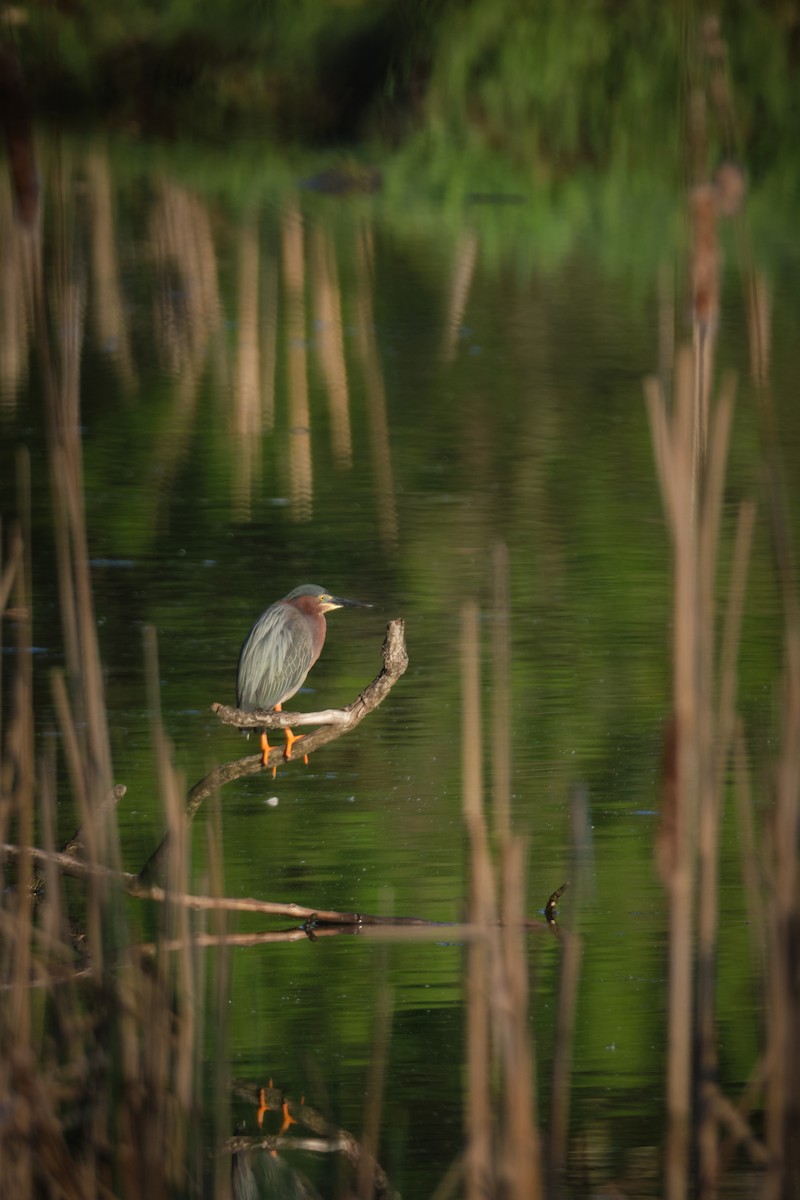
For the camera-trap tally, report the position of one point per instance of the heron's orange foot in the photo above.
(291, 738)
(262, 1107)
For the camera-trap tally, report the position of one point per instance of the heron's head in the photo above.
(321, 600)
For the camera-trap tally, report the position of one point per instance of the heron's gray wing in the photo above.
(277, 655)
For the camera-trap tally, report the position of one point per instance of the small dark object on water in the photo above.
(551, 908)
(281, 649)
(345, 180)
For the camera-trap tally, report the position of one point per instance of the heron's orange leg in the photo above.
(265, 746)
(287, 1118)
(265, 749)
(291, 738)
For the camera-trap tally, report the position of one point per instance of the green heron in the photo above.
(281, 649)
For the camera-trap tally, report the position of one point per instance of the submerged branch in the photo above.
(314, 921)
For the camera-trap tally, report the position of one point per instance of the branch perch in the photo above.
(395, 661)
(334, 722)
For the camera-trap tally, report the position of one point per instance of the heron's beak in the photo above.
(340, 602)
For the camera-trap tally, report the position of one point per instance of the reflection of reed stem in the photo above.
(562, 1060)
(501, 699)
(300, 467)
(109, 307)
(269, 340)
(376, 397)
(367, 1162)
(248, 372)
(460, 285)
(330, 342)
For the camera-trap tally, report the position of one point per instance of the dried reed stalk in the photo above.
(219, 969)
(569, 979)
(783, 1015)
(673, 443)
(478, 1164)
(17, 1162)
(782, 1090)
(691, 474)
(499, 1045)
(117, 1066)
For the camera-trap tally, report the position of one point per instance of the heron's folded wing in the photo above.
(275, 658)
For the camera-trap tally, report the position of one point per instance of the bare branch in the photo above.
(262, 718)
(315, 922)
(334, 721)
(133, 885)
